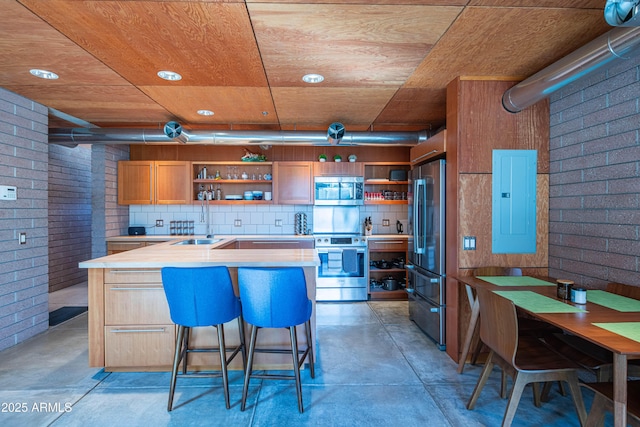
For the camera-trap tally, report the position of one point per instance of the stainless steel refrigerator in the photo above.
(426, 261)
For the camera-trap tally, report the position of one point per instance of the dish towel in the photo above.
(334, 259)
(350, 260)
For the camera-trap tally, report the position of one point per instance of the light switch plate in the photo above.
(469, 243)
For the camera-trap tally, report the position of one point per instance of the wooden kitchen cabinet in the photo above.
(230, 181)
(117, 247)
(147, 182)
(379, 190)
(293, 183)
(435, 146)
(389, 250)
(330, 168)
(138, 330)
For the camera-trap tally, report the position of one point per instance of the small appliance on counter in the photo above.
(137, 231)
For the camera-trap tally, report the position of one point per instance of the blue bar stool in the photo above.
(202, 296)
(276, 298)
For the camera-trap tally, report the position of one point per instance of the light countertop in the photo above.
(167, 237)
(168, 254)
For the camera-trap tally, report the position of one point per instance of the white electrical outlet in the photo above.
(159, 223)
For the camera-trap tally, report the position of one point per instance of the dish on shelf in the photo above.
(233, 197)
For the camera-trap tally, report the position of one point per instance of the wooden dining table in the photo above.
(608, 320)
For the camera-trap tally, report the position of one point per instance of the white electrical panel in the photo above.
(8, 192)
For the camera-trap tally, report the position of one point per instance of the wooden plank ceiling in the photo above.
(386, 63)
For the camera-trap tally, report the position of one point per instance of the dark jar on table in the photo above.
(564, 288)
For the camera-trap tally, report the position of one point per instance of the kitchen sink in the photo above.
(198, 242)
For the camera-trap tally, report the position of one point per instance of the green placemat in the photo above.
(515, 281)
(537, 303)
(629, 330)
(613, 301)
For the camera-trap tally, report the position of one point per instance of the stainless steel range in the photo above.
(342, 274)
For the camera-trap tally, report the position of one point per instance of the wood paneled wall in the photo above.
(275, 153)
(476, 125)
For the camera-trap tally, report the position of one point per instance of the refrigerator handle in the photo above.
(420, 194)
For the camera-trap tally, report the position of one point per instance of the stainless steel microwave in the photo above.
(339, 190)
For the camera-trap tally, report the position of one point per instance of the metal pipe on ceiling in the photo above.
(620, 42)
(75, 136)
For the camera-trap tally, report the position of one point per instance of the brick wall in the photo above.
(108, 218)
(24, 297)
(69, 214)
(595, 178)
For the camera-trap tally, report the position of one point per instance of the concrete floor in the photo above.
(374, 368)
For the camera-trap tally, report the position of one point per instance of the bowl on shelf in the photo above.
(248, 195)
(257, 195)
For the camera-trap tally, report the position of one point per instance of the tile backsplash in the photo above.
(252, 219)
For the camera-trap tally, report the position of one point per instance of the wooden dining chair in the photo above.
(603, 401)
(472, 340)
(525, 358)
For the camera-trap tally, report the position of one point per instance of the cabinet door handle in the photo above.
(135, 289)
(424, 155)
(387, 242)
(124, 331)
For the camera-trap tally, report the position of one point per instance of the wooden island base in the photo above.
(130, 328)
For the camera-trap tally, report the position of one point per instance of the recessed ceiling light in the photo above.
(169, 75)
(205, 112)
(265, 113)
(312, 78)
(44, 74)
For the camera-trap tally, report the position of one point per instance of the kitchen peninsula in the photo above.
(129, 324)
